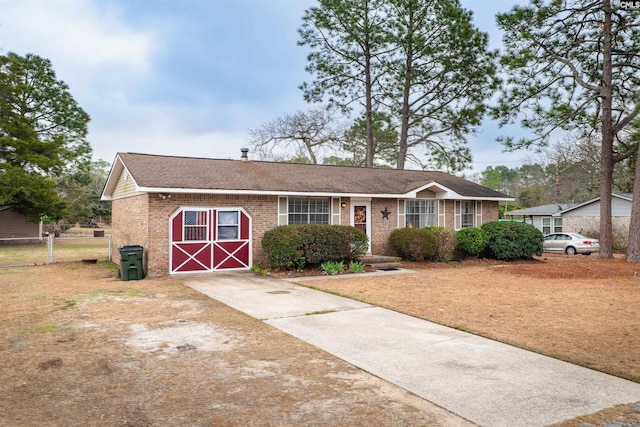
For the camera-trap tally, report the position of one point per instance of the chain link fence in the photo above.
(72, 247)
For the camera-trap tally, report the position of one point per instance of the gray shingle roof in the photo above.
(190, 173)
(541, 210)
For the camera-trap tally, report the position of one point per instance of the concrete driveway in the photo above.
(484, 381)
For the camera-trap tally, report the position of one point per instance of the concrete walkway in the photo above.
(484, 381)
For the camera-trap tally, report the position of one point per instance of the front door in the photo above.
(360, 218)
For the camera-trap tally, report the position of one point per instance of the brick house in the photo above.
(198, 215)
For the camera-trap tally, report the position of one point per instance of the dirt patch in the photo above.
(78, 347)
(577, 308)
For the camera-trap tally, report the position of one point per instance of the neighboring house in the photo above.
(542, 217)
(14, 225)
(586, 217)
(197, 215)
(583, 217)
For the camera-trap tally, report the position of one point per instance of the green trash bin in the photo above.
(131, 263)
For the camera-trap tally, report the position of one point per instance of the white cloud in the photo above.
(74, 32)
(217, 145)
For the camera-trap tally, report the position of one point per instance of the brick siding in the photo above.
(144, 220)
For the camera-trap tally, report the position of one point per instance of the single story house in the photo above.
(199, 215)
(542, 217)
(14, 225)
(586, 217)
(583, 217)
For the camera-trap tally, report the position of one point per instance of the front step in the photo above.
(381, 262)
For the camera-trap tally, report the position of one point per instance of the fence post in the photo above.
(109, 256)
(50, 249)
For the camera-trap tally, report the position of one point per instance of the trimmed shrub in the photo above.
(472, 241)
(295, 246)
(445, 243)
(283, 245)
(413, 244)
(512, 240)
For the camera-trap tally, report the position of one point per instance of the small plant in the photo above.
(258, 269)
(356, 267)
(332, 267)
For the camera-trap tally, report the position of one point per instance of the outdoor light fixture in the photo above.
(343, 204)
(164, 196)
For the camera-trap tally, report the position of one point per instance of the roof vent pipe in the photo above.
(245, 157)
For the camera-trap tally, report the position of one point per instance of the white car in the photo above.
(570, 244)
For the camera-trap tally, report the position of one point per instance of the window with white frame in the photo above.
(421, 213)
(551, 224)
(309, 210)
(467, 213)
(195, 225)
(227, 225)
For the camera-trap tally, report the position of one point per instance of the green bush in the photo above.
(295, 246)
(284, 248)
(512, 240)
(445, 243)
(472, 241)
(413, 244)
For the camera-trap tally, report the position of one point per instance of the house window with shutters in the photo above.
(421, 213)
(467, 213)
(309, 210)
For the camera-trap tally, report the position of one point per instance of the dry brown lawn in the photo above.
(581, 309)
(78, 347)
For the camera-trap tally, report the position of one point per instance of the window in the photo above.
(421, 213)
(557, 224)
(546, 224)
(195, 225)
(467, 212)
(228, 225)
(308, 210)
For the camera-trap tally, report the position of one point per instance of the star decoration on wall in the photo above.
(385, 213)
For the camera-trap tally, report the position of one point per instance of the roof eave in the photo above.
(408, 195)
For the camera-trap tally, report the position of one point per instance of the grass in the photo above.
(64, 250)
(43, 329)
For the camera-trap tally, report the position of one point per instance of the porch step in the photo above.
(381, 262)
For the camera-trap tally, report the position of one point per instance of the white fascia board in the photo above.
(262, 192)
(117, 169)
(112, 179)
(410, 195)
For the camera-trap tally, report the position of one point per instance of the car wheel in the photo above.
(571, 250)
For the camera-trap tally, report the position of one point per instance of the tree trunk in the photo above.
(606, 171)
(556, 197)
(368, 93)
(633, 245)
(403, 143)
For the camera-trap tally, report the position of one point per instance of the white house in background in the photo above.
(586, 216)
(581, 217)
(542, 217)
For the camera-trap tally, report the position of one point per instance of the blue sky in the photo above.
(190, 77)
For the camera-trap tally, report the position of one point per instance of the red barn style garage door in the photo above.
(209, 239)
